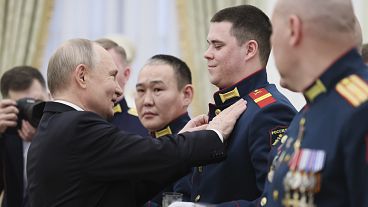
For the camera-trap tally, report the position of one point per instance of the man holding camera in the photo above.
(16, 129)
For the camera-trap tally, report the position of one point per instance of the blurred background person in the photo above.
(163, 93)
(16, 129)
(125, 117)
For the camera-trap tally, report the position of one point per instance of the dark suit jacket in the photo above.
(11, 158)
(79, 159)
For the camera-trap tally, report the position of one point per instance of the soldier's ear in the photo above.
(294, 30)
(127, 72)
(251, 48)
(188, 93)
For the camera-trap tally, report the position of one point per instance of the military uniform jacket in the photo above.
(318, 164)
(79, 159)
(126, 119)
(239, 180)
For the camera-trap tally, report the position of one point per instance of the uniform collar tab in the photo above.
(315, 90)
(163, 132)
(228, 95)
(233, 93)
(173, 127)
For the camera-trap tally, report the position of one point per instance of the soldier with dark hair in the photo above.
(163, 93)
(238, 50)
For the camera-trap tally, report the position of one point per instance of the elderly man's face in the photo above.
(103, 88)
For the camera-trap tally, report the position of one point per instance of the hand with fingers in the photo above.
(199, 122)
(8, 114)
(224, 122)
(27, 131)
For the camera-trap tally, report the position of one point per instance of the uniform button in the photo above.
(270, 176)
(263, 201)
(197, 198)
(217, 111)
(275, 195)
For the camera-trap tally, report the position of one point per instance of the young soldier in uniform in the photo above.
(237, 54)
(163, 93)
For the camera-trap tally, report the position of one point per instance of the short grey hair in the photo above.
(66, 58)
(111, 45)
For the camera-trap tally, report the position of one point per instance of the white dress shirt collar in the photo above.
(70, 104)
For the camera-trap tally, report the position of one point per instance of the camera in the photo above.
(30, 110)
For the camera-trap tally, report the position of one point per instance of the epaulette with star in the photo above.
(353, 89)
(262, 97)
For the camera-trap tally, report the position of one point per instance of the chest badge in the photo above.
(303, 179)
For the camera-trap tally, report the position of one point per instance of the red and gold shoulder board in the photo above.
(262, 97)
(353, 89)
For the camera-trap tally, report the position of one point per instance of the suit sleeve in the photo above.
(355, 153)
(110, 154)
(269, 121)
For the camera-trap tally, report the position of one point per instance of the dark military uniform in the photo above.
(322, 162)
(126, 119)
(240, 178)
(173, 128)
